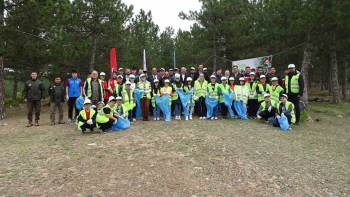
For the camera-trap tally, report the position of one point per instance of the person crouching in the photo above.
(267, 109)
(87, 117)
(105, 117)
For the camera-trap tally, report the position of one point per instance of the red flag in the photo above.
(113, 60)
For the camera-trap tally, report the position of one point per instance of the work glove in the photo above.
(89, 122)
(278, 116)
(259, 117)
(282, 114)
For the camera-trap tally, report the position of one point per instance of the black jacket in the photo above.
(34, 90)
(57, 93)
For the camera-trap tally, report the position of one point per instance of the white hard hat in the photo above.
(120, 76)
(177, 75)
(102, 74)
(156, 80)
(132, 76)
(189, 79)
(241, 79)
(274, 79)
(119, 98)
(252, 73)
(143, 75)
(291, 66)
(205, 68)
(87, 101)
(111, 98)
(231, 79)
(213, 76)
(262, 76)
(166, 81)
(266, 95)
(223, 78)
(284, 95)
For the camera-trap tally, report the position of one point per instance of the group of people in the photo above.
(130, 94)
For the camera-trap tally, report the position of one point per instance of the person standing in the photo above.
(93, 88)
(235, 74)
(253, 104)
(154, 75)
(223, 88)
(106, 93)
(74, 89)
(275, 90)
(146, 97)
(199, 92)
(175, 99)
(294, 83)
(183, 75)
(33, 93)
(57, 94)
(262, 88)
(213, 93)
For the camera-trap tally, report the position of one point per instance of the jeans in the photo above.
(201, 107)
(71, 107)
(53, 107)
(177, 108)
(156, 112)
(33, 107)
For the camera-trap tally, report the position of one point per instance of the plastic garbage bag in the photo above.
(79, 103)
(228, 98)
(283, 122)
(163, 102)
(241, 109)
(185, 98)
(211, 104)
(137, 95)
(121, 124)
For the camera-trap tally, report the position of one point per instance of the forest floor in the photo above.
(187, 158)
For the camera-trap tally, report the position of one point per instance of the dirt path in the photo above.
(194, 158)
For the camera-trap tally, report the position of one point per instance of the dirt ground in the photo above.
(192, 158)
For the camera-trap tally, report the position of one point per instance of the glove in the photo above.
(270, 108)
(282, 114)
(259, 117)
(278, 116)
(89, 122)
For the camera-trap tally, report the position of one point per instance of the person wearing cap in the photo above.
(128, 101)
(155, 92)
(262, 88)
(121, 72)
(175, 99)
(117, 86)
(294, 88)
(199, 71)
(199, 92)
(146, 96)
(213, 93)
(106, 94)
(275, 89)
(271, 74)
(253, 104)
(132, 82)
(74, 89)
(93, 88)
(105, 117)
(223, 88)
(267, 109)
(241, 96)
(119, 108)
(87, 117)
(285, 108)
(188, 87)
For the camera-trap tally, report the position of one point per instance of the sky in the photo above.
(165, 12)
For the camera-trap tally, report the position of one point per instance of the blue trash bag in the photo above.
(79, 103)
(163, 102)
(185, 98)
(241, 109)
(211, 105)
(283, 122)
(228, 98)
(121, 124)
(137, 95)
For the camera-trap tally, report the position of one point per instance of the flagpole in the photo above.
(144, 60)
(174, 57)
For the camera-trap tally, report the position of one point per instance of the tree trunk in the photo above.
(336, 94)
(345, 86)
(305, 70)
(2, 79)
(93, 53)
(15, 86)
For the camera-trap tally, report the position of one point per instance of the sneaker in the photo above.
(190, 117)
(201, 118)
(212, 118)
(158, 118)
(83, 131)
(204, 118)
(179, 117)
(29, 124)
(154, 118)
(52, 123)
(134, 119)
(186, 118)
(69, 121)
(37, 124)
(215, 118)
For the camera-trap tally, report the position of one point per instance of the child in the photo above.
(213, 94)
(105, 117)
(223, 88)
(267, 109)
(155, 92)
(87, 117)
(176, 102)
(241, 98)
(57, 94)
(188, 87)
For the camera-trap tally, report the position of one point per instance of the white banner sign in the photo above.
(265, 61)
